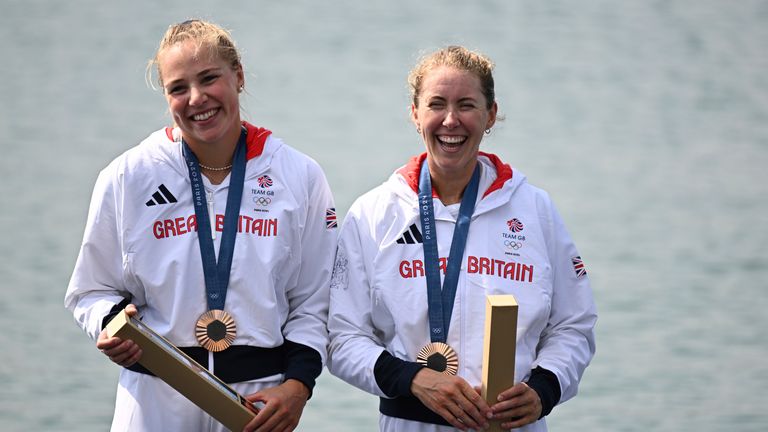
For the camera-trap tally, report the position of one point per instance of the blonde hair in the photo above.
(205, 34)
(456, 57)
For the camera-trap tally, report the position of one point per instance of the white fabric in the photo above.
(379, 299)
(177, 413)
(281, 266)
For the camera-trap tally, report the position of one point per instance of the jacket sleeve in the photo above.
(97, 285)
(308, 298)
(567, 343)
(354, 347)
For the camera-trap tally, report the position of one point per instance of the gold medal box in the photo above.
(184, 374)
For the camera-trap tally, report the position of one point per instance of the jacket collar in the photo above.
(410, 172)
(255, 140)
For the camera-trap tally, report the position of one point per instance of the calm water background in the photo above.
(647, 121)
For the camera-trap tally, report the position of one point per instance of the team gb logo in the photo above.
(264, 181)
(515, 225)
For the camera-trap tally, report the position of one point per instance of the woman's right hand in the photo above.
(123, 352)
(452, 398)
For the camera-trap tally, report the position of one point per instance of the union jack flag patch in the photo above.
(330, 218)
(578, 266)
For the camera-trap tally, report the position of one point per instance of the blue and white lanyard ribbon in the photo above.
(441, 300)
(217, 273)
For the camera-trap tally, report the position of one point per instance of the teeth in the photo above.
(204, 116)
(451, 139)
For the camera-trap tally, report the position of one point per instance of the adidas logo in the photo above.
(162, 196)
(411, 236)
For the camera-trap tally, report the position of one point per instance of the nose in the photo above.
(197, 96)
(451, 120)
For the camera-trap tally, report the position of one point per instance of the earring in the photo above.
(488, 131)
(418, 129)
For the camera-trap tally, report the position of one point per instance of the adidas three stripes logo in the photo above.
(161, 196)
(411, 236)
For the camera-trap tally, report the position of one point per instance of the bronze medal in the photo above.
(215, 330)
(439, 357)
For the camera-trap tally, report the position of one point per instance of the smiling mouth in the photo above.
(206, 115)
(451, 141)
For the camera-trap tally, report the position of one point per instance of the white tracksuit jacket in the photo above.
(517, 244)
(141, 245)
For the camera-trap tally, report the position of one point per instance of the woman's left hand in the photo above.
(518, 406)
(282, 409)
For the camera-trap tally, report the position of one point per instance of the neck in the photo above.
(450, 185)
(217, 154)
(215, 177)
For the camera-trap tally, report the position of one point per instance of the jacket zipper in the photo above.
(211, 215)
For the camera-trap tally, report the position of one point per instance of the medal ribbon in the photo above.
(441, 300)
(217, 273)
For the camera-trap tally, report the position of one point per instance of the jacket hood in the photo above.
(257, 140)
(502, 175)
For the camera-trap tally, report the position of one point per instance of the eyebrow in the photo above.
(442, 98)
(199, 74)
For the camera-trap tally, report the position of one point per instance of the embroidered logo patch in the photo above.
(330, 218)
(339, 278)
(264, 181)
(578, 266)
(411, 236)
(161, 196)
(513, 238)
(515, 225)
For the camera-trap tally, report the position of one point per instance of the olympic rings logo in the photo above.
(264, 201)
(511, 244)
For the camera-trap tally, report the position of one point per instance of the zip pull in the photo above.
(211, 214)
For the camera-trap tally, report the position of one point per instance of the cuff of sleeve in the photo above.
(547, 386)
(114, 311)
(303, 364)
(393, 375)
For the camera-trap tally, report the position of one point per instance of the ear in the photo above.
(415, 115)
(240, 76)
(492, 116)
